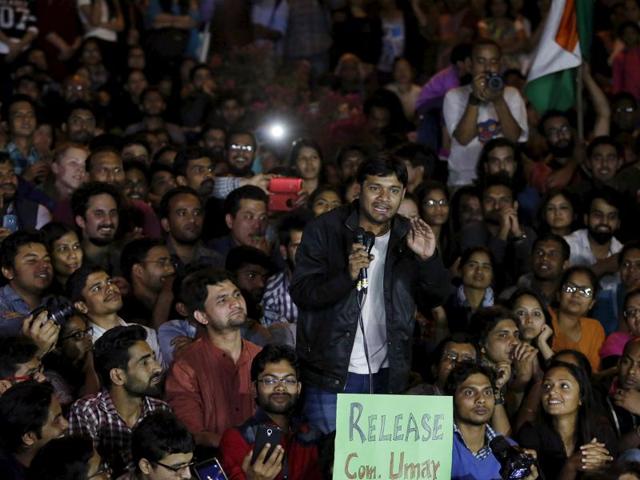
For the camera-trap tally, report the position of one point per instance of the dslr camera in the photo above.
(59, 309)
(495, 82)
(514, 463)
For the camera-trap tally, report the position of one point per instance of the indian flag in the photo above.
(565, 41)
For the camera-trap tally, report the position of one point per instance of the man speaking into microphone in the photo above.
(357, 307)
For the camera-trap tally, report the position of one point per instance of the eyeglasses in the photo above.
(105, 471)
(539, 252)
(629, 264)
(625, 110)
(177, 468)
(431, 203)
(455, 357)
(241, 148)
(273, 381)
(631, 313)
(586, 292)
(79, 335)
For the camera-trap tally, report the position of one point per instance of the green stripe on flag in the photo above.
(584, 17)
(556, 91)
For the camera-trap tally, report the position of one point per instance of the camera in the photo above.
(514, 463)
(495, 82)
(284, 192)
(59, 309)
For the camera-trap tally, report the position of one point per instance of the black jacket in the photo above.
(327, 300)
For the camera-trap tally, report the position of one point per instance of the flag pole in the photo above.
(579, 104)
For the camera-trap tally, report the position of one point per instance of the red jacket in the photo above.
(300, 446)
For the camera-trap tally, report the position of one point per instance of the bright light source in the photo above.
(277, 131)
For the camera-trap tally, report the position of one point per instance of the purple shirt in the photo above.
(432, 94)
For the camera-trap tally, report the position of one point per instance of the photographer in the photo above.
(480, 111)
(472, 388)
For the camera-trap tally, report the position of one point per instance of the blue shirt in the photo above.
(20, 162)
(13, 309)
(466, 465)
(168, 331)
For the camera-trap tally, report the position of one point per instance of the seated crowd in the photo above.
(172, 276)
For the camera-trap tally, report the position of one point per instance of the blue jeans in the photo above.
(320, 405)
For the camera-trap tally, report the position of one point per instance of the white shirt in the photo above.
(373, 316)
(152, 338)
(464, 158)
(581, 254)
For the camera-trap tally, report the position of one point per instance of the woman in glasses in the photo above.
(629, 328)
(69, 367)
(572, 328)
(433, 203)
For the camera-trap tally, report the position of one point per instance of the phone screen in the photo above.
(210, 470)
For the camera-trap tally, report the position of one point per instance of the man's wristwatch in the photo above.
(499, 396)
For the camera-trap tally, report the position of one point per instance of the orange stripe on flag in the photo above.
(567, 35)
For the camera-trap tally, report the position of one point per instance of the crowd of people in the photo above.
(219, 214)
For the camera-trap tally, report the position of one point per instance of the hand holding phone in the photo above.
(266, 434)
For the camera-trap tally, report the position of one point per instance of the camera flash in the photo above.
(277, 131)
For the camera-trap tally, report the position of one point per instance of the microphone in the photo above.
(367, 239)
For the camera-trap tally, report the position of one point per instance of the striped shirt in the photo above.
(277, 304)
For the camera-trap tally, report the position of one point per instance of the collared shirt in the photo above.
(207, 390)
(152, 338)
(96, 416)
(20, 162)
(13, 309)
(223, 186)
(276, 301)
(467, 465)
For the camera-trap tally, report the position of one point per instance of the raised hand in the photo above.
(421, 239)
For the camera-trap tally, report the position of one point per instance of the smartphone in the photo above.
(209, 470)
(283, 193)
(266, 434)
(10, 222)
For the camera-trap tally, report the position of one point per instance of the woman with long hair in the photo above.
(571, 438)
(558, 213)
(534, 320)
(306, 159)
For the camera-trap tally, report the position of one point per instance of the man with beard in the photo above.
(610, 302)
(153, 108)
(561, 160)
(595, 246)
(350, 339)
(241, 152)
(80, 124)
(245, 213)
(148, 267)
(275, 374)
(105, 165)
(194, 168)
(96, 209)
(26, 266)
(181, 218)
(131, 377)
(472, 388)
(13, 201)
(94, 293)
(214, 140)
(500, 231)
(209, 384)
(549, 260)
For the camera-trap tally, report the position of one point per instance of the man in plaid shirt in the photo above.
(131, 376)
